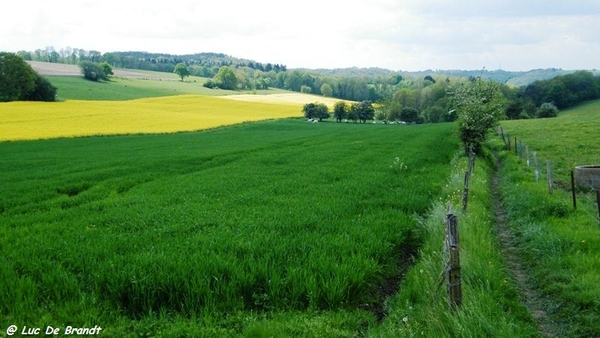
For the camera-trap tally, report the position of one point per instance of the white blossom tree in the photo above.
(479, 105)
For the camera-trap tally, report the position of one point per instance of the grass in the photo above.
(558, 243)
(35, 120)
(277, 228)
(568, 140)
(121, 89)
(491, 305)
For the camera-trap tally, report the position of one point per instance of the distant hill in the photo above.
(208, 64)
(513, 78)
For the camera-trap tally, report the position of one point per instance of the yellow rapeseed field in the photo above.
(41, 120)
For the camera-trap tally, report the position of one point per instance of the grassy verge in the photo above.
(491, 305)
(559, 245)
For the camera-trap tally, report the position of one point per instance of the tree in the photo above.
(226, 78)
(17, 78)
(340, 110)
(19, 82)
(43, 90)
(363, 110)
(182, 70)
(514, 109)
(547, 109)
(409, 114)
(92, 71)
(479, 105)
(326, 90)
(106, 68)
(316, 111)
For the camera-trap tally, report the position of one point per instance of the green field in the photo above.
(284, 228)
(273, 217)
(558, 243)
(118, 89)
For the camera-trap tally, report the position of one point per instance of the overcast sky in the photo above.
(393, 34)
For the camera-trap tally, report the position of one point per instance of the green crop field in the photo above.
(117, 89)
(283, 224)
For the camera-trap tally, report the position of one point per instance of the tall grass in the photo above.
(559, 244)
(491, 304)
(227, 232)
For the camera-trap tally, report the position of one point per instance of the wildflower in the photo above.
(405, 319)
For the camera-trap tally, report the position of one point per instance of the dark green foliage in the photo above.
(19, 82)
(210, 84)
(340, 111)
(106, 68)
(92, 71)
(563, 91)
(547, 110)
(316, 111)
(44, 90)
(362, 111)
(17, 78)
(409, 114)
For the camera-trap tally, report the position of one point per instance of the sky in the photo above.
(400, 35)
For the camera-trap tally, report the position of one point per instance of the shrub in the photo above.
(92, 71)
(547, 109)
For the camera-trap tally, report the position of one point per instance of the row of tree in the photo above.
(563, 92)
(19, 82)
(357, 111)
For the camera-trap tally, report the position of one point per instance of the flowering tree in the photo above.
(479, 105)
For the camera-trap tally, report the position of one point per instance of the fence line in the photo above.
(519, 146)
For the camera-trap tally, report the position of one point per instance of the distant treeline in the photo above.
(421, 96)
(563, 91)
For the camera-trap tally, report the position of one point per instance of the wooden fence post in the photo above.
(516, 146)
(453, 274)
(520, 150)
(573, 190)
(598, 201)
(508, 140)
(527, 151)
(549, 174)
(535, 164)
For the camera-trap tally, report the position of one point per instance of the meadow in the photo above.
(277, 227)
(228, 232)
(558, 243)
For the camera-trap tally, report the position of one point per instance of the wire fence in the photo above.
(587, 191)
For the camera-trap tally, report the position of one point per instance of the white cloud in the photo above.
(403, 35)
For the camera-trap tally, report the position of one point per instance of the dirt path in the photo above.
(531, 297)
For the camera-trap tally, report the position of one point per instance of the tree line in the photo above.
(418, 99)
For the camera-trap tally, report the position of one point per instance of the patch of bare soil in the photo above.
(60, 69)
(390, 286)
(532, 299)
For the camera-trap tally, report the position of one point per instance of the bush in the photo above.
(210, 84)
(547, 109)
(43, 91)
(305, 90)
(92, 71)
